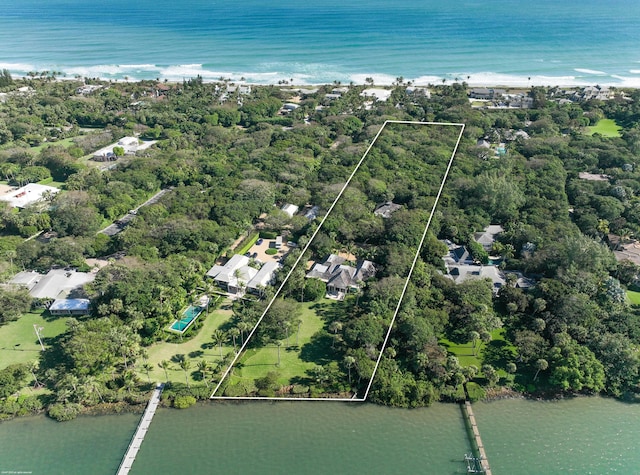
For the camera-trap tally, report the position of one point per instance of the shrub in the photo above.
(268, 234)
(271, 251)
(235, 390)
(10, 406)
(30, 404)
(64, 412)
(314, 289)
(247, 243)
(27, 231)
(299, 389)
(182, 402)
(201, 393)
(266, 393)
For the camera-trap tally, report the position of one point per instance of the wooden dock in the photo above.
(141, 431)
(482, 459)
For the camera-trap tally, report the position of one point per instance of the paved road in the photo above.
(123, 222)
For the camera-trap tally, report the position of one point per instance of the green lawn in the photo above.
(606, 128)
(497, 351)
(68, 142)
(634, 297)
(465, 352)
(18, 341)
(200, 347)
(295, 360)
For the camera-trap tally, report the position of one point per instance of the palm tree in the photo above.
(335, 327)
(474, 337)
(164, 364)
(486, 337)
(243, 327)
(146, 367)
(219, 337)
(129, 379)
(349, 361)
(286, 326)
(63, 395)
(185, 364)
(234, 332)
(541, 365)
(278, 344)
(33, 367)
(203, 367)
(91, 385)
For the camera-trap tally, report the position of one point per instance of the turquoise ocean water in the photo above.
(548, 42)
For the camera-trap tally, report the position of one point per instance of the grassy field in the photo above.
(300, 355)
(201, 347)
(18, 341)
(606, 128)
(68, 142)
(634, 297)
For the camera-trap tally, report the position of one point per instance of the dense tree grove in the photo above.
(228, 158)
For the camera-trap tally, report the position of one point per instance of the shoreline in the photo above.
(492, 395)
(483, 79)
(290, 85)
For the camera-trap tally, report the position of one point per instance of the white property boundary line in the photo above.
(404, 290)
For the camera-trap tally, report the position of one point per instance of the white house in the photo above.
(380, 95)
(290, 209)
(237, 275)
(28, 194)
(234, 276)
(264, 277)
(57, 283)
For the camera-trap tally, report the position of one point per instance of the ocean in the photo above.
(497, 42)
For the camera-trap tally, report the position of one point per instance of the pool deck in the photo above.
(141, 431)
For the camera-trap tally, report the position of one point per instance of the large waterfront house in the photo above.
(237, 277)
(340, 275)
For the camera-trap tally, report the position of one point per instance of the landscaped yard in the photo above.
(201, 347)
(18, 340)
(606, 128)
(634, 297)
(496, 351)
(300, 355)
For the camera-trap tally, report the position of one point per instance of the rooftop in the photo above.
(70, 305)
(28, 194)
(57, 283)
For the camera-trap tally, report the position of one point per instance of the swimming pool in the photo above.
(188, 317)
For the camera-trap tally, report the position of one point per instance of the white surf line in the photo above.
(246, 342)
(293, 267)
(415, 259)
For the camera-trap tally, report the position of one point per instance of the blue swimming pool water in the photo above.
(188, 316)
